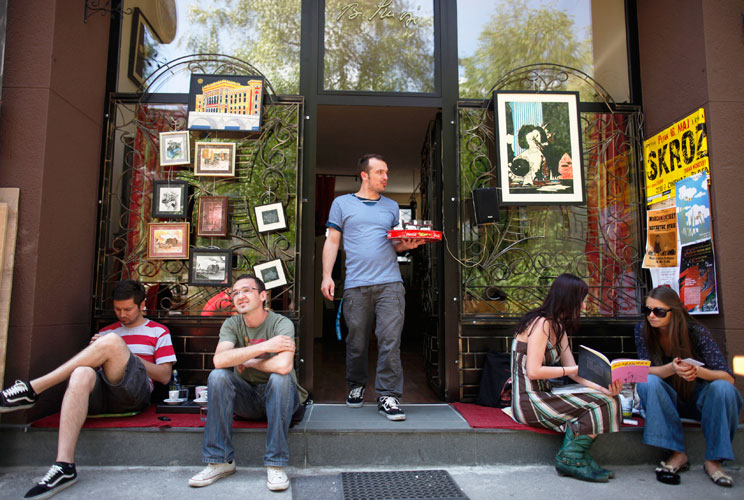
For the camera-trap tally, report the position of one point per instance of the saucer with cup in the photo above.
(174, 398)
(201, 394)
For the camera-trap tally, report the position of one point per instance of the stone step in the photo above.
(337, 436)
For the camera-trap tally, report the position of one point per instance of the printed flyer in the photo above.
(661, 245)
(674, 153)
(693, 209)
(697, 278)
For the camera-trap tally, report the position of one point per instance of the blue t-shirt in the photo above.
(370, 256)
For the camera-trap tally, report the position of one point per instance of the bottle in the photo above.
(175, 383)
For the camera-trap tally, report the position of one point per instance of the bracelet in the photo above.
(564, 370)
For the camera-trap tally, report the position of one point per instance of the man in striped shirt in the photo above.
(114, 374)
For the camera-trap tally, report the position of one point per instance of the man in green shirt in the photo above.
(254, 378)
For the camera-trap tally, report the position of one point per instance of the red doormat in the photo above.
(148, 418)
(485, 417)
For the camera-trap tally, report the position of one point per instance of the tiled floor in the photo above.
(339, 417)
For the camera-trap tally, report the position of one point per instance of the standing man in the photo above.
(373, 291)
(254, 378)
(113, 374)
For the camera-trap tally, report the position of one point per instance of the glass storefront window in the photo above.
(263, 33)
(498, 36)
(379, 45)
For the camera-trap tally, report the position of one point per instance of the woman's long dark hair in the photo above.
(679, 334)
(562, 307)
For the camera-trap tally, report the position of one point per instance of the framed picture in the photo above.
(270, 217)
(271, 273)
(211, 267)
(143, 44)
(538, 143)
(170, 199)
(214, 158)
(225, 102)
(212, 216)
(168, 240)
(174, 148)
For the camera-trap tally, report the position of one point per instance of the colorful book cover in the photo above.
(693, 209)
(697, 278)
(594, 366)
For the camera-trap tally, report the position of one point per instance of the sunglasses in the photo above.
(659, 312)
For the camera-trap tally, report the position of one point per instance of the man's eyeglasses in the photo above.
(243, 291)
(659, 312)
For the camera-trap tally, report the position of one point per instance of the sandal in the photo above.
(720, 478)
(670, 475)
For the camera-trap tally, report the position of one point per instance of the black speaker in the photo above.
(486, 206)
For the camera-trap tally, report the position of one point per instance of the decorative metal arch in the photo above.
(507, 267)
(213, 64)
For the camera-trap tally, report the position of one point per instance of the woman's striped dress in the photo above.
(534, 404)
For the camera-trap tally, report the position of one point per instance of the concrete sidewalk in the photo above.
(478, 483)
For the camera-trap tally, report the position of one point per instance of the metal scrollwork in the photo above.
(507, 267)
(267, 166)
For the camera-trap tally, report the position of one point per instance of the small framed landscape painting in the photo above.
(270, 217)
(168, 240)
(210, 267)
(271, 273)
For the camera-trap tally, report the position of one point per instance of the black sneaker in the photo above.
(388, 406)
(57, 479)
(355, 399)
(17, 397)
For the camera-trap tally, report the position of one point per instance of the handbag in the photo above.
(496, 382)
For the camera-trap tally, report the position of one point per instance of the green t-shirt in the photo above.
(235, 330)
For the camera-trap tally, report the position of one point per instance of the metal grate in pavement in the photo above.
(401, 485)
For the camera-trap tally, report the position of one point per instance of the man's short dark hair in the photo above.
(363, 163)
(129, 289)
(259, 283)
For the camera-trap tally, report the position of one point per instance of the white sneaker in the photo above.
(276, 479)
(211, 473)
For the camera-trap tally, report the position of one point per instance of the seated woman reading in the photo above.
(676, 388)
(541, 341)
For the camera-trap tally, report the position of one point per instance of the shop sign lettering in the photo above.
(383, 10)
(673, 154)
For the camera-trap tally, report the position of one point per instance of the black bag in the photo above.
(496, 382)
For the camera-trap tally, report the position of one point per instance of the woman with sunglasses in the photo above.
(541, 351)
(677, 388)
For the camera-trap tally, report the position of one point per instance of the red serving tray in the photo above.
(419, 234)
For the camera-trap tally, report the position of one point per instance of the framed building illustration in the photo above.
(225, 102)
(538, 143)
(215, 159)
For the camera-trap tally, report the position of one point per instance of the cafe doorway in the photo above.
(406, 137)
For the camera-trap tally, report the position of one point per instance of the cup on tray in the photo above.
(199, 390)
(173, 395)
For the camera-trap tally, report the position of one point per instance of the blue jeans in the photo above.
(381, 306)
(716, 404)
(229, 393)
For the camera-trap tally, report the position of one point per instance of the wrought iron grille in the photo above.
(506, 268)
(267, 166)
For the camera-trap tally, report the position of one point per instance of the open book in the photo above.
(594, 366)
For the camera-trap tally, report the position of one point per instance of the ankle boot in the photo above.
(573, 459)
